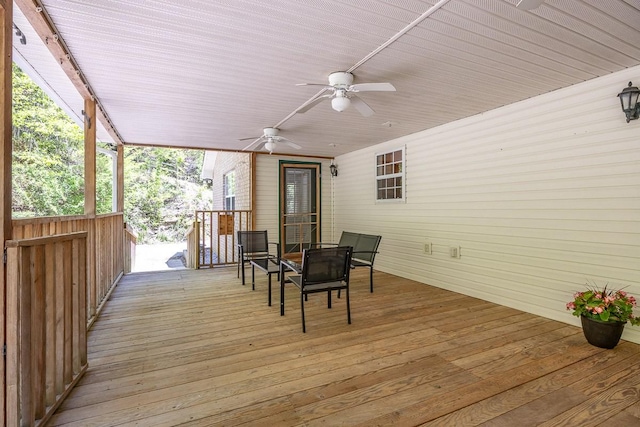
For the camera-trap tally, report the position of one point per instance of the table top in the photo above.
(291, 265)
(268, 265)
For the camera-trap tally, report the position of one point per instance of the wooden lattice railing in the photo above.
(46, 313)
(105, 250)
(213, 237)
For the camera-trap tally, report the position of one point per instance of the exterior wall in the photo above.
(241, 164)
(216, 166)
(267, 184)
(541, 196)
(267, 209)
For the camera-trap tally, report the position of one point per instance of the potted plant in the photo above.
(603, 314)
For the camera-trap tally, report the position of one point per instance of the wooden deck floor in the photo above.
(196, 348)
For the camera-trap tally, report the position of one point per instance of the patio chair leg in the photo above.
(242, 273)
(371, 279)
(348, 307)
(329, 298)
(302, 310)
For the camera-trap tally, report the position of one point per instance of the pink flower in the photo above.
(598, 309)
(571, 306)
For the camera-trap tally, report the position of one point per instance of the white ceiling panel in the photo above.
(201, 73)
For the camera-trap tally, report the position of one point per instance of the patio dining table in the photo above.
(267, 265)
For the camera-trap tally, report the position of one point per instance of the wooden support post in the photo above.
(254, 158)
(6, 37)
(120, 179)
(90, 157)
(90, 198)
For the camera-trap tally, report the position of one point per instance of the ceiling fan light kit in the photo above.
(270, 146)
(340, 103)
(343, 93)
(269, 140)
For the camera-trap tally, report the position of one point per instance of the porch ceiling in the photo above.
(204, 74)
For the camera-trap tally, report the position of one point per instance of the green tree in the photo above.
(48, 157)
(162, 192)
(162, 186)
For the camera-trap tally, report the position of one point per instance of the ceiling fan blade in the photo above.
(247, 139)
(373, 87)
(260, 146)
(312, 104)
(291, 144)
(529, 4)
(315, 84)
(361, 106)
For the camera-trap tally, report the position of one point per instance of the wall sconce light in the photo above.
(629, 100)
(87, 119)
(20, 34)
(334, 169)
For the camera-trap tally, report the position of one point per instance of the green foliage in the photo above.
(48, 157)
(605, 305)
(162, 192)
(162, 186)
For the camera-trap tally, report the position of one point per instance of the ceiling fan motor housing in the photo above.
(270, 132)
(340, 79)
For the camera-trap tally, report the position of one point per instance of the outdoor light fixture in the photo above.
(334, 169)
(20, 34)
(87, 119)
(629, 100)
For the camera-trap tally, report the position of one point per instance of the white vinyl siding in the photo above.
(540, 196)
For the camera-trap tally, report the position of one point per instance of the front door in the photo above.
(299, 206)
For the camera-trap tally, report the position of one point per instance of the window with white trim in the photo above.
(390, 179)
(229, 190)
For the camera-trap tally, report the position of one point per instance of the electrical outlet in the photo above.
(454, 251)
(427, 248)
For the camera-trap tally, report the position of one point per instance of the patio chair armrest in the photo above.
(365, 252)
(322, 244)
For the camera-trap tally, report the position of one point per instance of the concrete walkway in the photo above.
(162, 256)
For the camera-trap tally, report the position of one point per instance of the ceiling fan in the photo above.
(343, 93)
(529, 4)
(269, 139)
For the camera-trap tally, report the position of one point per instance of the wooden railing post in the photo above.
(130, 240)
(6, 42)
(214, 234)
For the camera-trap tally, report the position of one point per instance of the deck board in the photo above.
(196, 348)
